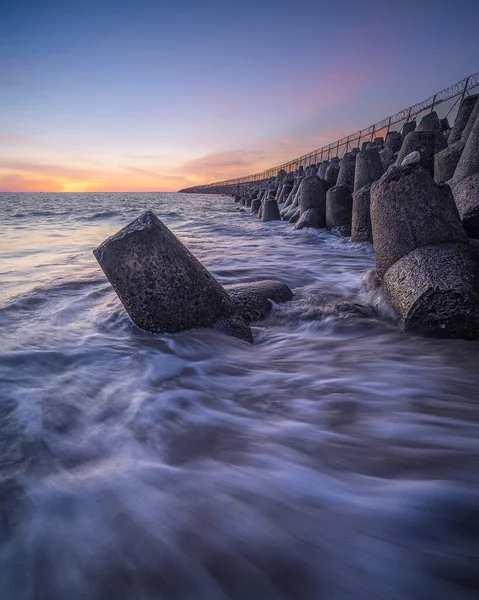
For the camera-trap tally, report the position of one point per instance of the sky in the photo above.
(117, 95)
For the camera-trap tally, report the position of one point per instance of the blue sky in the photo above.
(158, 95)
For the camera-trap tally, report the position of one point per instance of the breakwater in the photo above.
(413, 194)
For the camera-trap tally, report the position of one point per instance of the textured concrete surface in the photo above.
(361, 217)
(423, 142)
(369, 168)
(339, 208)
(445, 162)
(270, 211)
(312, 194)
(162, 286)
(434, 291)
(252, 301)
(410, 210)
(346, 170)
(464, 112)
(310, 218)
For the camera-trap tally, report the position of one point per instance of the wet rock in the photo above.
(369, 168)
(361, 217)
(410, 210)
(270, 211)
(294, 217)
(235, 327)
(339, 206)
(434, 291)
(253, 300)
(162, 286)
(423, 142)
(346, 171)
(313, 217)
(465, 183)
(255, 205)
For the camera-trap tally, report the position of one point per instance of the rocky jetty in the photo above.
(165, 289)
(413, 192)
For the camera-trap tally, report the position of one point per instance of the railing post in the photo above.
(389, 126)
(372, 133)
(433, 102)
(337, 149)
(464, 90)
(347, 145)
(329, 151)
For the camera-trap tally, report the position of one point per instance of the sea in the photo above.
(335, 459)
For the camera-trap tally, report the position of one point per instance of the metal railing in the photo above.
(441, 100)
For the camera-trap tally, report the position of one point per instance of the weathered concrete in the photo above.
(234, 327)
(285, 190)
(294, 217)
(253, 300)
(465, 183)
(423, 142)
(414, 158)
(346, 171)
(332, 173)
(409, 210)
(430, 122)
(162, 286)
(434, 291)
(322, 169)
(270, 211)
(361, 217)
(369, 168)
(393, 141)
(408, 127)
(339, 207)
(255, 205)
(445, 162)
(312, 194)
(313, 217)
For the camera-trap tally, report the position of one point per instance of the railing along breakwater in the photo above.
(445, 102)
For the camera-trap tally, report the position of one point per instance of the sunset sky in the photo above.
(113, 95)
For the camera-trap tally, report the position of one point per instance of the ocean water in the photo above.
(335, 459)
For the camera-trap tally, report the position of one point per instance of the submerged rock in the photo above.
(162, 286)
(252, 301)
(235, 327)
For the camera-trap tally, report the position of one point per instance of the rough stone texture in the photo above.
(322, 169)
(294, 215)
(466, 195)
(235, 327)
(369, 168)
(339, 207)
(285, 190)
(434, 291)
(408, 127)
(409, 210)
(332, 173)
(270, 211)
(255, 205)
(253, 300)
(444, 124)
(470, 122)
(393, 141)
(388, 158)
(445, 162)
(162, 286)
(425, 143)
(237, 198)
(347, 170)
(310, 218)
(361, 220)
(430, 122)
(281, 175)
(290, 210)
(465, 183)
(290, 198)
(312, 194)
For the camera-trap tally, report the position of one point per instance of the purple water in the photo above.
(336, 459)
